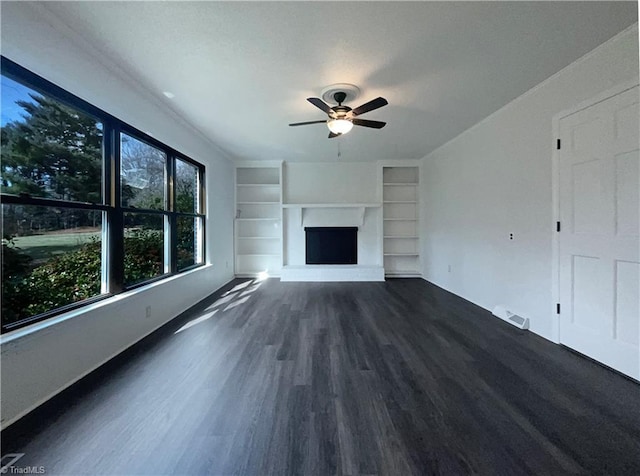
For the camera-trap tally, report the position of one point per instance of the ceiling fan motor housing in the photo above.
(341, 111)
(340, 96)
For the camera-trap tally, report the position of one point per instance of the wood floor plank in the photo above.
(394, 378)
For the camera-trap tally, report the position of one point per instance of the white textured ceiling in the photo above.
(240, 72)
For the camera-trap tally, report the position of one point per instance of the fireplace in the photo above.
(331, 245)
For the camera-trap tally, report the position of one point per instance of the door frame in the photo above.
(555, 188)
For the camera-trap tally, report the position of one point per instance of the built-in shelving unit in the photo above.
(258, 223)
(400, 221)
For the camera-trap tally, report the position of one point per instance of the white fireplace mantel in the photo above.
(331, 214)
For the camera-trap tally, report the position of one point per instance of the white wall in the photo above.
(496, 178)
(41, 360)
(331, 182)
(335, 182)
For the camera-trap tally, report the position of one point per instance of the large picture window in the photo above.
(72, 231)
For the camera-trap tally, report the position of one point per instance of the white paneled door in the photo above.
(599, 247)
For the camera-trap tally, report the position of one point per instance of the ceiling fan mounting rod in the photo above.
(340, 96)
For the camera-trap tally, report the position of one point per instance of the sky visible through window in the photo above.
(10, 93)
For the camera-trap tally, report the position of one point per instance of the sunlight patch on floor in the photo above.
(197, 320)
(238, 287)
(223, 300)
(237, 303)
(234, 297)
(251, 289)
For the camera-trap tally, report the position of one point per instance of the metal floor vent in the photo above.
(503, 313)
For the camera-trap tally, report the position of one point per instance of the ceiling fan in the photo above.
(342, 118)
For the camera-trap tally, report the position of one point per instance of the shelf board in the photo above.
(258, 238)
(258, 184)
(400, 184)
(330, 205)
(257, 203)
(402, 254)
(401, 237)
(411, 273)
(400, 219)
(400, 201)
(258, 219)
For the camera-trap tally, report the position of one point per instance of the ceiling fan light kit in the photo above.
(339, 126)
(341, 119)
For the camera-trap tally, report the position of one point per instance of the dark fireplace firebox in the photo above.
(331, 245)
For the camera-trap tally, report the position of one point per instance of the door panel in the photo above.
(586, 292)
(627, 194)
(599, 245)
(587, 209)
(627, 324)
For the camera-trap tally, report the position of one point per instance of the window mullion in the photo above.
(107, 180)
(115, 223)
(171, 254)
(202, 210)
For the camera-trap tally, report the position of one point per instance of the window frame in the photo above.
(111, 206)
(197, 214)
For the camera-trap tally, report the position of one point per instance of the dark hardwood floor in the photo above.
(394, 378)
